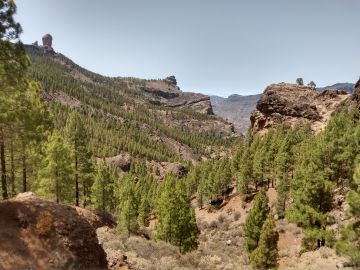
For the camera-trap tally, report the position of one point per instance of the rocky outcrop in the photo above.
(171, 80)
(39, 234)
(293, 104)
(121, 162)
(161, 169)
(167, 93)
(47, 40)
(356, 94)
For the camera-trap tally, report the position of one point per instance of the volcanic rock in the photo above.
(47, 40)
(293, 104)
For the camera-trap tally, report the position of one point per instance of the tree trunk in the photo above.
(76, 180)
(24, 173)
(57, 186)
(103, 198)
(3, 166)
(12, 170)
(84, 194)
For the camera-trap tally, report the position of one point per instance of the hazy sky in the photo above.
(211, 46)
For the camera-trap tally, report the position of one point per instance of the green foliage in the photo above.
(300, 81)
(326, 162)
(81, 156)
(266, 254)
(312, 85)
(103, 188)
(55, 175)
(349, 243)
(255, 220)
(315, 238)
(128, 206)
(176, 218)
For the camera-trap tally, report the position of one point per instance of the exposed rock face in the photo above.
(164, 168)
(294, 104)
(236, 109)
(356, 94)
(39, 234)
(171, 80)
(121, 162)
(167, 93)
(47, 40)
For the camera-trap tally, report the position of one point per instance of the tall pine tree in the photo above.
(255, 220)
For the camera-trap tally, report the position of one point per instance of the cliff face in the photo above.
(167, 93)
(236, 109)
(294, 104)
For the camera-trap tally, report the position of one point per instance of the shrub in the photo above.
(213, 224)
(314, 238)
(221, 218)
(237, 215)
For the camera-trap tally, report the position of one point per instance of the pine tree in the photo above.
(186, 228)
(176, 218)
(103, 188)
(128, 206)
(13, 65)
(56, 173)
(256, 218)
(266, 254)
(349, 244)
(83, 168)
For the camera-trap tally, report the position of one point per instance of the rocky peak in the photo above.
(356, 94)
(294, 104)
(171, 80)
(47, 40)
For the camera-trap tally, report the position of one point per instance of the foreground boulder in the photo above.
(39, 234)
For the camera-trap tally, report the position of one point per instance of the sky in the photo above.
(215, 47)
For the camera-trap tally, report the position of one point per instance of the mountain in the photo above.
(151, 120)
(236, 109)
(348, 87)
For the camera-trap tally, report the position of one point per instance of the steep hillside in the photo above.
(236, 109)
(293, 104)
(148, 119)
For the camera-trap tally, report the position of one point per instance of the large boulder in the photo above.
(39, 234)
(293, 104)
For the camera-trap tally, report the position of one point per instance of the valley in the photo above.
(123, 173)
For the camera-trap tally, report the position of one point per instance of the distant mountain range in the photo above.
(348, 87)
(237, 108)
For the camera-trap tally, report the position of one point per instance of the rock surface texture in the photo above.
(39, 234)
(47, 40)
(293, 104)
(167, 93)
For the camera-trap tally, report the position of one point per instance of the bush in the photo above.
(221, 218)
(314, 238)
(237, 215)
(213, 224)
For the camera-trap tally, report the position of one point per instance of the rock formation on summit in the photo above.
(47, 40)
(294, 104)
